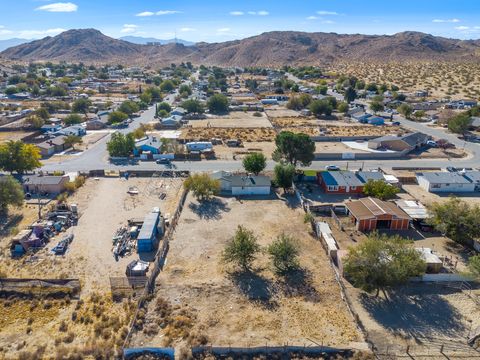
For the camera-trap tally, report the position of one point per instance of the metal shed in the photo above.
(147, 238)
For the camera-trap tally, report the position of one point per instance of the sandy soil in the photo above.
(441, 79)
(277, 111)
(427, 198)
(104, 206)
(243, 134)
(235, 119)
(228, 153)
(13, 135)
(243, 309)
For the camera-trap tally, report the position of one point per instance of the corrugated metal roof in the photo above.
(369, 208)
(148, 227)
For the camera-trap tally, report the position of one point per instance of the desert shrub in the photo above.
(63, 326)
(69, 338)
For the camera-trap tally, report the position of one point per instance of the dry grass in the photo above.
(244, 134)
(197, 294)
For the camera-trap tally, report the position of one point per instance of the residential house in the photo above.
(474, 177)
(179, 111)
(52, 146)
(44, 184)
(370, 214)
(364, 176)
(445, 182)
(340, 182)
(75, 130)
(173, 121)
(50, 128)
(225, 179)
(250, 185)
(404, 143)
(148, 145)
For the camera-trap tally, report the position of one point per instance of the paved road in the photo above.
(96, 157)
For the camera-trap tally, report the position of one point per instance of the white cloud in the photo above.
(59, 7)
(35, 34)
(324, 12)
(223, 30)
(129, 28)
(5, 31)
(328, 22)
(446, 20)
(312, 18)
(167, 12)
(462, 28)
(145, 13)
(187, 29)
(259, 13)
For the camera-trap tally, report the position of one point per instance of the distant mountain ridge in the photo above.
(5, 44)
(275, 48)
(144, 41)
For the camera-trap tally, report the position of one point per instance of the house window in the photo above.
(353, 188)
(436, 186)
(332, 188)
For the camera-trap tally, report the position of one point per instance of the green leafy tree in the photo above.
(11, 193)
(456, 219)
(217, 104)
(121, 145)
(294, 148)
(242, 248)
(35, 121)
(320, 107)
(202, 186)
(193, 106)
(116, 117)
(129, 107)
(343, 107)
(380, 262)
(284, 254)
(73, 119)
(146, 97)
(459, 124)
(72, 140)
(406, 110)
(185, 90)
(474, 266)
(419, 114)
(42, 113)
(164, 106)
(299, 102)
(18, 156)
(350, 94)
(254, 163)
(284, 176)
(167, 86)
(321, 90)
(380, 189)
(81, 105)
(376, 106)
(155, 93)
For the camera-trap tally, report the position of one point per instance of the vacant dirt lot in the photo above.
(280, 111)
(235, 119)
(13, 135)
(218, 304)
(243, 134)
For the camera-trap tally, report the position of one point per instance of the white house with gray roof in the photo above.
(445, 182)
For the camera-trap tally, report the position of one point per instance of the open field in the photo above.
(440, 79)
(277, 111)
(242, 134)
(13, 135)
(349, 130)
(225, 152)
(200, 300)
(235, 119)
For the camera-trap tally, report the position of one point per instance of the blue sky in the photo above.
(221, 20)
